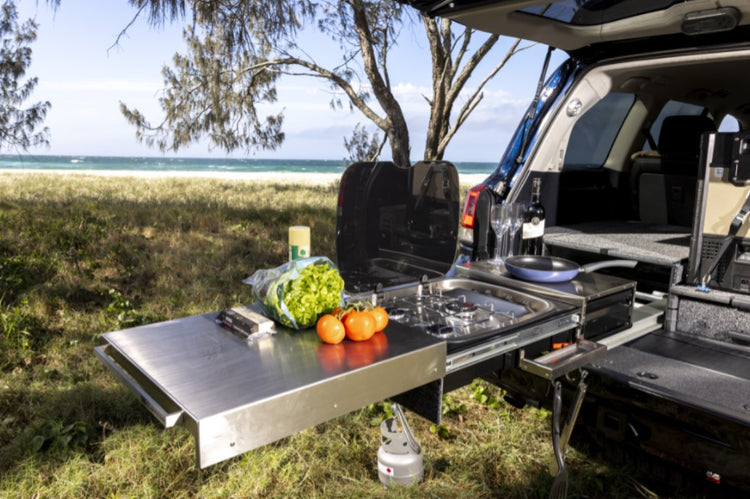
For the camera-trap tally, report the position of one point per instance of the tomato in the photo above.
(359, 325)
(381, 318)
(330, 329)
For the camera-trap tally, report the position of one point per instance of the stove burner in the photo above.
(460, 308)
(443, 331)
(396, 313)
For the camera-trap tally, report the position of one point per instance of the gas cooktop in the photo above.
(460, 310)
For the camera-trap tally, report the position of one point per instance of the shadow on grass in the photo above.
(101, 424)
(51, 424)
(110, 430)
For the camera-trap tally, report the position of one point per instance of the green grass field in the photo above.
(80, 256)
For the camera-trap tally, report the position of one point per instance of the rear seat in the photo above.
(663, 183)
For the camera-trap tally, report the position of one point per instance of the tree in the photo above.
(237, 51)
(361, 146)
(449, 78)
(18, 126)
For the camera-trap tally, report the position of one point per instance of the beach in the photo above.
(285, 177)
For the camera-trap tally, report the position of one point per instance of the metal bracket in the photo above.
(560, 362)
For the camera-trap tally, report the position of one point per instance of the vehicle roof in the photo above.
(574, 24)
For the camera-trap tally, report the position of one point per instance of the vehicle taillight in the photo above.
(713, 477)
(470, 207)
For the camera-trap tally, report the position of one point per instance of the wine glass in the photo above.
(515, 217)
(501, 224)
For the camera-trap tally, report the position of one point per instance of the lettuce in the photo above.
(297, 293)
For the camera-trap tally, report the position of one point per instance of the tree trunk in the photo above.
(440, 68)
(396, 128)
(398, 137)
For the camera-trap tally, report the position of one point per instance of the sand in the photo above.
(283, 177)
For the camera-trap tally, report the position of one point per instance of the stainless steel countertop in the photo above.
(235, 395)
(207, 369)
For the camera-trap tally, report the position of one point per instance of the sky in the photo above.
(85, 76)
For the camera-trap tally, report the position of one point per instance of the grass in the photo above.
(80, 256)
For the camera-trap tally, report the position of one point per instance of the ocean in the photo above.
(194, 165)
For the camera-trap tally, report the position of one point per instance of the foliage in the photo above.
(481, 394)
(237, 51)
(361, 146)
(18, 126)
(14, 327)
(57, 436)
(123, 309)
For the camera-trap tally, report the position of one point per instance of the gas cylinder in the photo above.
(400, 459)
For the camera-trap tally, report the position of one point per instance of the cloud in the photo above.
(311, 125)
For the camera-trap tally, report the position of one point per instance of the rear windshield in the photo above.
(594, 12)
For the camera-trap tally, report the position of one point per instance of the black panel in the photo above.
(696, 351)
(425, 400)
(396, 225)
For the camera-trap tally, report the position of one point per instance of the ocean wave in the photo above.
(197, 165)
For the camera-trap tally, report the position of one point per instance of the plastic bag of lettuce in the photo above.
(297, 293)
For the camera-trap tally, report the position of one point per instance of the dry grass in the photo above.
(82, 255)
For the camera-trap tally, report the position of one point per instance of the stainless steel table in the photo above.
(236, 395)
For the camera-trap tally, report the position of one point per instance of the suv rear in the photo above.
(624, 138)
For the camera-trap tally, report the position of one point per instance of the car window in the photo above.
(593, 13)
(729, 124)
(594, 133)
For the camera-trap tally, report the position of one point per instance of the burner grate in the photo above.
(454, 313)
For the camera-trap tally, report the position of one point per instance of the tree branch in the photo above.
(470, 66)
(436, 48)
(474, 99)
(320, 72)
(379, 86)
(466, 35)
(395, 127)
(126, 28)
(502, 63)
(463, 115)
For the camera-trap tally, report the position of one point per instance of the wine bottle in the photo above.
(532, 232)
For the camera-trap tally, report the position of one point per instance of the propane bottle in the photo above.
(400, 459)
